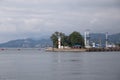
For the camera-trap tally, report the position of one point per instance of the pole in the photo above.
(106, 39)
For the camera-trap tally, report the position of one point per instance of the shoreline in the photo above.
(50, 49)
(65, 50)
(82, 50)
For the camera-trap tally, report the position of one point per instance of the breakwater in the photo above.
(82, 50)
(102, 49)
(65, 50)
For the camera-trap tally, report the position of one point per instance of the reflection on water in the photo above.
(40, 65)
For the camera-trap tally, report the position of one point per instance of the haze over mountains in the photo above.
(38, 43)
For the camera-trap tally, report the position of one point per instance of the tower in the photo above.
(87, 39)
(106, 41)
(59, 42)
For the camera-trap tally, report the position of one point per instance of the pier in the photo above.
(103, 49)
(83, 50)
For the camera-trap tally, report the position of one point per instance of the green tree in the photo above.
(76, 39)
(55, 36)
(118, 44)
(65, 40)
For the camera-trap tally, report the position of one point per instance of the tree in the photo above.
(55, 36)
(76, 39)
(65, 41)
(118, 44)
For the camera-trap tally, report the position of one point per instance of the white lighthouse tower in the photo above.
(59, 42)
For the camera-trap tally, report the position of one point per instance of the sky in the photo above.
(37, 18)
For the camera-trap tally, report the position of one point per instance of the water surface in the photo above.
(40, 65)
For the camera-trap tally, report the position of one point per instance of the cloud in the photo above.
(27, 18)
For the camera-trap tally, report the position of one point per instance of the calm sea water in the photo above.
(41, 65)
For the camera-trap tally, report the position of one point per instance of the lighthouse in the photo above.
(59, 42)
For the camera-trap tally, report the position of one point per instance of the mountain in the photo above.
(27, 43)
(100, 38)
(114, 38)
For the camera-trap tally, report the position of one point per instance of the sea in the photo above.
(37, 64)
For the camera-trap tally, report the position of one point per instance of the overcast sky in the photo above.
(37, 18)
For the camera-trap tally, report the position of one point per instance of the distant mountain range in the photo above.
(100, 38)
(37, 43)
(115, 38)
(27, 43)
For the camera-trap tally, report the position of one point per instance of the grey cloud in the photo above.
(28, 18)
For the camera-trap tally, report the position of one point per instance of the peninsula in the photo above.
(75, 42)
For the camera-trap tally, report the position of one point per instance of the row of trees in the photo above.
(75, 38)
